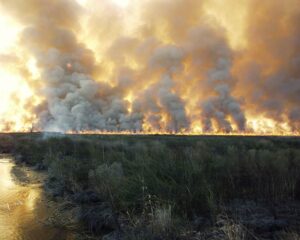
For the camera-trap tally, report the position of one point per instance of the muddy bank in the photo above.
(62, 213)
(91, 215)
(24, 175)
(24, 209)
(83, 215)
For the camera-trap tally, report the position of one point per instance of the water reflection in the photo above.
(23, 209)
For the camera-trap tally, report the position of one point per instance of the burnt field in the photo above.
(170, 187)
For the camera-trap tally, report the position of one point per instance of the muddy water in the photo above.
(23, 209)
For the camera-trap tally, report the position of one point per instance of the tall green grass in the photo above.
(192, 174)
(161, 183)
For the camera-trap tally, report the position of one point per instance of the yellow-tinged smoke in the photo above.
(150, 66)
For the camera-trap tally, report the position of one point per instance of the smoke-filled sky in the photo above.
(190, 66)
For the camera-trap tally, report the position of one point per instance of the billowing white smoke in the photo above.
(162, 96)
(77, 102)
(209, 51)
(74, 101)
(176, 66)
(268, 69)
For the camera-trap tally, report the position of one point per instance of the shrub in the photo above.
(6, 143)
(107, 179)
(71, 171)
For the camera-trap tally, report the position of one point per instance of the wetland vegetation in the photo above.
(168, 187)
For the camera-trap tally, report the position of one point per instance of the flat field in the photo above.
(163, 184)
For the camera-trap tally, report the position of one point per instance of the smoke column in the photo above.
(158, 66)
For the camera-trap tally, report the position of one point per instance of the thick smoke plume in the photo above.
(160, 65)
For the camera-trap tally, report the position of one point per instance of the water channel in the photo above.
(23, 209)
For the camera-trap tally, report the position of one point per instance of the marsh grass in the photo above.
(144, 175)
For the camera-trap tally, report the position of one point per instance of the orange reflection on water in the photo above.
(23, 210)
